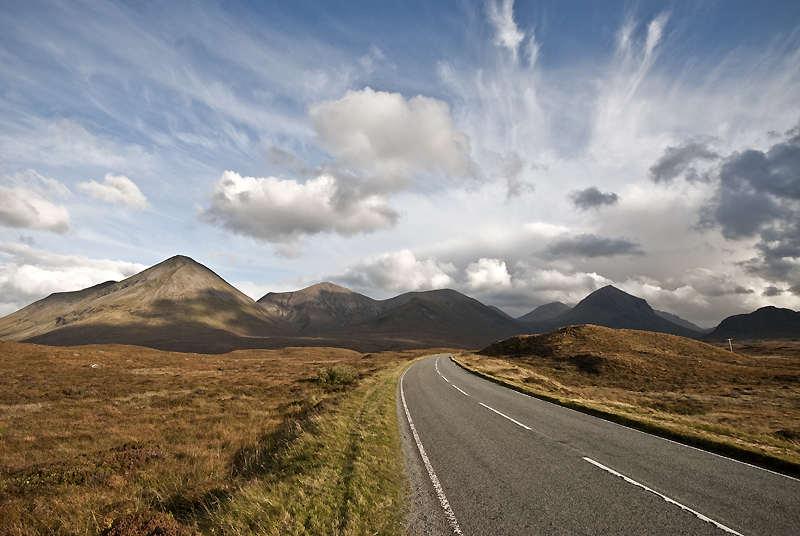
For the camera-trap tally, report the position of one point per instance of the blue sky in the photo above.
(519, 152)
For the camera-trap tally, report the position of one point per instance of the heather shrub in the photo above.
(337, 375)
(149, 523)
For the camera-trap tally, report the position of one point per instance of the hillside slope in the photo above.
(177, 304)
(439, 318)
(625, 358)
(323, 307)
(764, 323)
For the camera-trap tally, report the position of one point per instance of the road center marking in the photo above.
(448, 512)
(459, 390)
(504, 415)
(436, 364)
(670, 501)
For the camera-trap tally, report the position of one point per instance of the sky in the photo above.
(519, 152)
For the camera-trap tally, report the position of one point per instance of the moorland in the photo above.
(110, 439)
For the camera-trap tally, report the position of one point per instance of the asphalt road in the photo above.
(500, 462)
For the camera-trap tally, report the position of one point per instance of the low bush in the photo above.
(337, 375)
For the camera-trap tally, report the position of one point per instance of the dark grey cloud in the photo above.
(510, 168)
(682, 160)
(592, 246)
(757, 194)
(772, 291)
(591, 198)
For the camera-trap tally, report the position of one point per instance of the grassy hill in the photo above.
(744, 403)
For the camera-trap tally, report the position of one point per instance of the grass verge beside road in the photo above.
(337, 470)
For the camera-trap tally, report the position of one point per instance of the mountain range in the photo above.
(181, 305)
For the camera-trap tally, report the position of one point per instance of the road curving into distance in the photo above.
(485, 459)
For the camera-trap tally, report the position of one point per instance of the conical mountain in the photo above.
(178, 304)
(323, 307)
(613, 308)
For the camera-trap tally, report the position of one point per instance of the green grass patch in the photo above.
(337, 375)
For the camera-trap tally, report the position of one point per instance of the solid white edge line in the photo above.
(698, 449)
(448, 512)
(667, 499)
(506, 416)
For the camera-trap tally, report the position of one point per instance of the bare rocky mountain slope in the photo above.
(323, 307)
(544, 312)
(177, 304)
(439, 318)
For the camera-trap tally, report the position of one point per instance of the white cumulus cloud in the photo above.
(400, 271)
(27, 203)
(28, 274)
(285, 211)
(379, 141)
(389, 134)
(487, 275)
(116, 189)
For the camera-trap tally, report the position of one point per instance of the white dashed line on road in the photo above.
(670, 501)
(506, 416)
(459, 390)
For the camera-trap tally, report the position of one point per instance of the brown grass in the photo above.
(745, 402)
(91, 435)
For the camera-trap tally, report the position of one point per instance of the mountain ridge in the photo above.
(182, 305)
(613, 308)
(768, 322)
(322, 307)
(177, 295)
